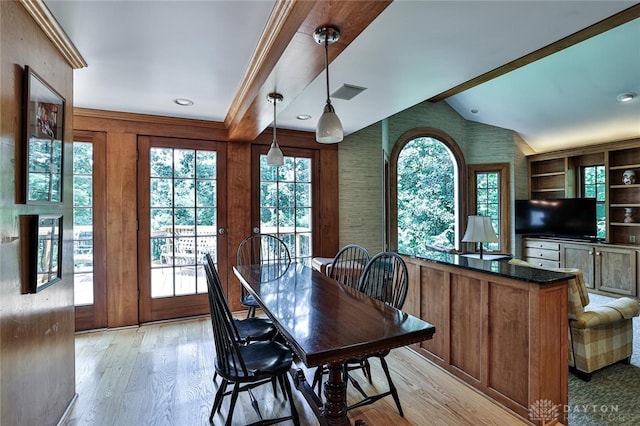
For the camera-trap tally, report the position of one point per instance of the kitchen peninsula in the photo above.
(501, 328)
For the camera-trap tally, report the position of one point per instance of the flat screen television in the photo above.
(561, 217)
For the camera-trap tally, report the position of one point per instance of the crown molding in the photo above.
(50, 26)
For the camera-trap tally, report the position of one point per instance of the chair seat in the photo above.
(261, 359)
(255, 328)
(249, 300)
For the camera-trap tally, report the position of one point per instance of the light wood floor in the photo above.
(161, 374)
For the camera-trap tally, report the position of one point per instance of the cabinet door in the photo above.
(616, 270)
(580, 256)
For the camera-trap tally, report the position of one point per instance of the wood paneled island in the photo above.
(501, 328)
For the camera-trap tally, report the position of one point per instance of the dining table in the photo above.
(326, 323)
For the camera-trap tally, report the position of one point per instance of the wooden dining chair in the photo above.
(385, 278)
(346, 268)
(260, 249)
(249, 329)
(246, 366)
(348, 265)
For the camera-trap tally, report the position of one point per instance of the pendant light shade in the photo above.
(274, 156)
(329, 128)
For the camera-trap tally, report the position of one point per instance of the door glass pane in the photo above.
(83, 223)
(285, 204)
(183, 219)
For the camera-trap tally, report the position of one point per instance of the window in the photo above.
(426, 174)
(593, 186)
(286, 204)
(489, 196)
(83, 223)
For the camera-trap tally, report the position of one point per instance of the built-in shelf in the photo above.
(625, 205)
(633, 185)
(548, 190)
(624, 224)
(625, 166)
(547, 174)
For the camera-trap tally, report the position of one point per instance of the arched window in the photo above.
(427, 174)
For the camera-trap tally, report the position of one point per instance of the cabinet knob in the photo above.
(598, 253)
(590, 252)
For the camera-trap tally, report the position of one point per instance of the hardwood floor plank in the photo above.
(161, 374)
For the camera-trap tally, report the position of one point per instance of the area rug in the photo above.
(612, 397)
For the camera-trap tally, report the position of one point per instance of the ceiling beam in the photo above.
(287, 59)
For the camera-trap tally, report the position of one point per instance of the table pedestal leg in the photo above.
(335, 393)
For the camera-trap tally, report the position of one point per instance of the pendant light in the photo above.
(329, 128)
(274, 156)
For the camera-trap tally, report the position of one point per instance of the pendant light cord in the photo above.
(326, 62)
(275, 139)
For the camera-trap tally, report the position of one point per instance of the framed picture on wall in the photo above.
(43, 141)
(40, 251)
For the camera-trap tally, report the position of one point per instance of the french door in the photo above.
(182, 216)
(284, 201)
(89, 230)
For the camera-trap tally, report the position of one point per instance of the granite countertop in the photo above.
(497, 267)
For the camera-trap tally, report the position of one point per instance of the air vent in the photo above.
(347, 92)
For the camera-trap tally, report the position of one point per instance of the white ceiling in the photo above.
(143, 54)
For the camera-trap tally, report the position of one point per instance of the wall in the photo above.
(361, 155)
(361, 197)
(122, 131)
(37, 353)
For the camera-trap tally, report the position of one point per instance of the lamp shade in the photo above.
(479, 230)
(329, 129)
(274, 156)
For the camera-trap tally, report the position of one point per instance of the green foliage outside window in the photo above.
(426, 196)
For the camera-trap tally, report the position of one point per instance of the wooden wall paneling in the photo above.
(435, 288)
(508, 341)
(37, 350)
(239, 213)
(551, 372)
(466, 325)
(328, 199)
(412, 302)
(152, 125)
(122, 225)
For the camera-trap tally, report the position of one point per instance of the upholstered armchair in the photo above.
(600, 336)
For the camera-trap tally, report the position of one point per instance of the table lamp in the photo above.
(479, 230)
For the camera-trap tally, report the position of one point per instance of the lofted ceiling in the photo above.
(549, 70)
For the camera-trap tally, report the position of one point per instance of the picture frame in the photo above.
(41, 251)
(43, 145)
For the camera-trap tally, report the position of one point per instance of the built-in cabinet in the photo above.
(548, 178)
(606, 268)
(609, 267)
(624, 195)
(557, 175)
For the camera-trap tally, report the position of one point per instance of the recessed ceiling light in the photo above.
(474, 111)
(303, 117)
(626, 97)
(183, 102)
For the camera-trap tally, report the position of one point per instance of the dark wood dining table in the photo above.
(326, 323)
